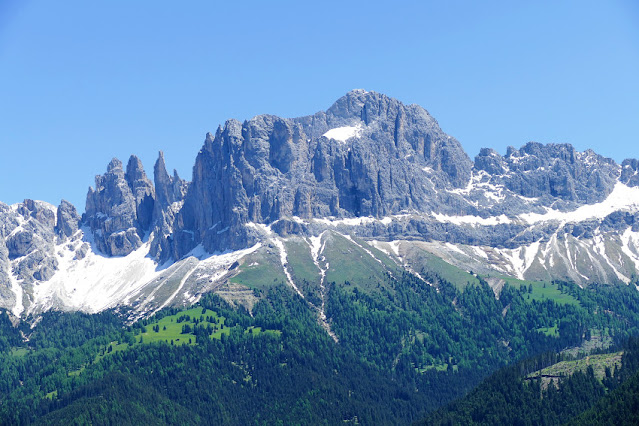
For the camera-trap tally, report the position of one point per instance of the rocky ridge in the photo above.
(369, 166)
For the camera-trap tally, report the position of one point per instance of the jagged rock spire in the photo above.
(119, 209)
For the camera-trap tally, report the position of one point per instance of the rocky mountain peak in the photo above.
(169, 196)
(68, 219)
(119, 209)
(143, 192)
(364, 156)
(114, 166)
(135, 170)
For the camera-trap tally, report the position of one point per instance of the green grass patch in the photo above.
(305, 273)
(549, 331)
(260, 270)
(458, 277)
(425, 263)
(170, 328)
(349, 263)
(438, 367)
(19, 352)
(179, 329)
(300, 261)
(112, 347)
(542, 291)
(597, 362)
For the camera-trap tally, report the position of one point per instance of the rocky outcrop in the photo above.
(68, 219)
(119, 209)
(551, 171)
(170, 192)
(28, 231)
(630, 172)
(143, 193)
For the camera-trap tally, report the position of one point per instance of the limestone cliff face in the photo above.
(551, 171)
(630, 172)
(119, 210)
(367, 155)
(170, 192)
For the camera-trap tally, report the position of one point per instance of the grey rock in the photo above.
(553, 170)
(270, 168)
(39, 264)
(630, 172)
(38, 211)
(31, 228)
(119, 209)
(170, 193)
(27, 238)
(68, 219)
(143, 193)
(81, 252)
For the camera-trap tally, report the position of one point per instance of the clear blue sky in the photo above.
(84, 81)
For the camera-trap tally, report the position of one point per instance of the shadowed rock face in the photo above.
(170, 192)
(143, 192)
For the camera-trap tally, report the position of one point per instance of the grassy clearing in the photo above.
(305, 273)
(543, 291)
(300, 261)
(567, 368)
(19, 352)
(111, 348)
(169, 330)
(549, 331)
(438, 367)
(598, 340)
(178, 330)
(260, 270)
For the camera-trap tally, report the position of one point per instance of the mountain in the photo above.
(370, 183)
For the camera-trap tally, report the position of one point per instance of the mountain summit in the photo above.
(371, 172)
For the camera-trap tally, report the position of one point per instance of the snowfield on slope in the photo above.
(621, 198)
(99, 282)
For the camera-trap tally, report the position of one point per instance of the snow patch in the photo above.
(96, 282)
(284, 260)
(266, 229)
(342, 134)
(629, 246)
(18, 308)
(472, 220)
(621, 198)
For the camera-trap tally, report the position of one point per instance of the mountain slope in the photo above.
(377, 176)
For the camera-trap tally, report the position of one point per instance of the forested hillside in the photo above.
(403, 350)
